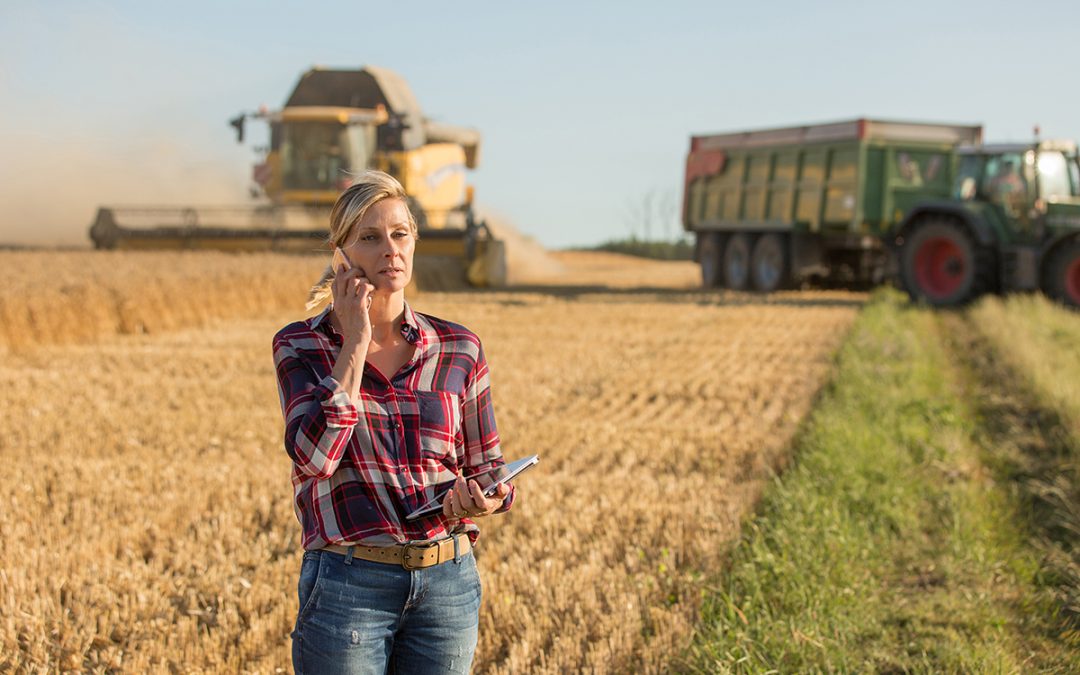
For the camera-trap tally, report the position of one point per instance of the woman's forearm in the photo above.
(349, 367)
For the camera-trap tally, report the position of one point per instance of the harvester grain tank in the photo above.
(336, 123)
(928, 205)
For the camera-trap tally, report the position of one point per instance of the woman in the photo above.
(382, 406)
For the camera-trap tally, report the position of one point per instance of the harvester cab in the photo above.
(334, 125)
(313, 151)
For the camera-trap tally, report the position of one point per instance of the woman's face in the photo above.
(382, 245)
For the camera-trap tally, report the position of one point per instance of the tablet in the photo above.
(488, 481)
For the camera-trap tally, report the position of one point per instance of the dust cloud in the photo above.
(51, 186)
(527, 261)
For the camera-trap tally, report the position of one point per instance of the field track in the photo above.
(930, 520)
(147, 521)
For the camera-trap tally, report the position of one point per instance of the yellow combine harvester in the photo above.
(336, 123)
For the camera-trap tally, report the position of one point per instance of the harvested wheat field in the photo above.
(147, 523)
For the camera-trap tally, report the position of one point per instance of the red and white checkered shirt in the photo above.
(358, 469)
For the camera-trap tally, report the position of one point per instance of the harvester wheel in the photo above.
(710, 254)
(737, 262)
(768, 264)
(941, 265)
(1061, 275)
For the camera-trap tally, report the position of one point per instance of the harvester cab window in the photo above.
(1054, 179)
(360, 144)
(314, 156)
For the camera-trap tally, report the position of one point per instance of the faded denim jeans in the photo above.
(369, 617)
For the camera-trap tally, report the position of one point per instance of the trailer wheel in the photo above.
(737, 262)
(1061, 275)
(710, 257)
(941, 265)
(768, 264)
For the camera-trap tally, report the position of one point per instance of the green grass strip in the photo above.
(1041, 341)
(887, 546)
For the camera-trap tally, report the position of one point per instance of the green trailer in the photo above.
(862, 201)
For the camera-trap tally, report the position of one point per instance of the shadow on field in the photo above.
(695, 296)
(1029, 446)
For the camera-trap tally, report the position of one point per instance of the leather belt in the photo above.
(413, 555)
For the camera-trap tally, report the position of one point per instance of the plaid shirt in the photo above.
(358, 469)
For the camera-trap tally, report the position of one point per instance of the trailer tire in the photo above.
(710, 257)
(737, 262)
(769, 263)
(940, 264)
(1061, 275)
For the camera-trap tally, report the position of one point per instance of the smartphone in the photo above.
(339, 259)
(489, 483)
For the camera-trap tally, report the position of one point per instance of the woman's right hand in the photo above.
(352, 299)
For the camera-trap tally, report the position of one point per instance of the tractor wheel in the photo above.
(768, 264)
(1061, 275)
(710, 256)
(941, 265)
(737, 262)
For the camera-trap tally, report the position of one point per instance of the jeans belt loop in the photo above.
(348, 556)
(457, 553)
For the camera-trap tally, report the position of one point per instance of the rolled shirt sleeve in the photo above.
(319, 415)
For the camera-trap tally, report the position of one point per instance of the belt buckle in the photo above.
(419, 545)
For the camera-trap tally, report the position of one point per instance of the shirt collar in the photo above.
(318, 318)
(410, 326)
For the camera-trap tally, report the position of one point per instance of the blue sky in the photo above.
(584, 107)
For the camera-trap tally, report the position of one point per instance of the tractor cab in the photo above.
(1020, 181)
(1028, 195)
(1048, 170)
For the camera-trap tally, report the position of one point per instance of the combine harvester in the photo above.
(336, 123)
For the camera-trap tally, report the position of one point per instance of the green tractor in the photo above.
(860, 201)
(1013, 224)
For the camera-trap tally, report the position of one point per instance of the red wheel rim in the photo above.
(940, 267)
(1072, 280)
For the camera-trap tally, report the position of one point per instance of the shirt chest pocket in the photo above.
(439, 424)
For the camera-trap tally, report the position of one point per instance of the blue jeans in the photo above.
(369, 617)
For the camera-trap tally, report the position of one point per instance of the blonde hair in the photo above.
(368, 189)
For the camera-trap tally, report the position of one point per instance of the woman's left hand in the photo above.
(467, 500)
